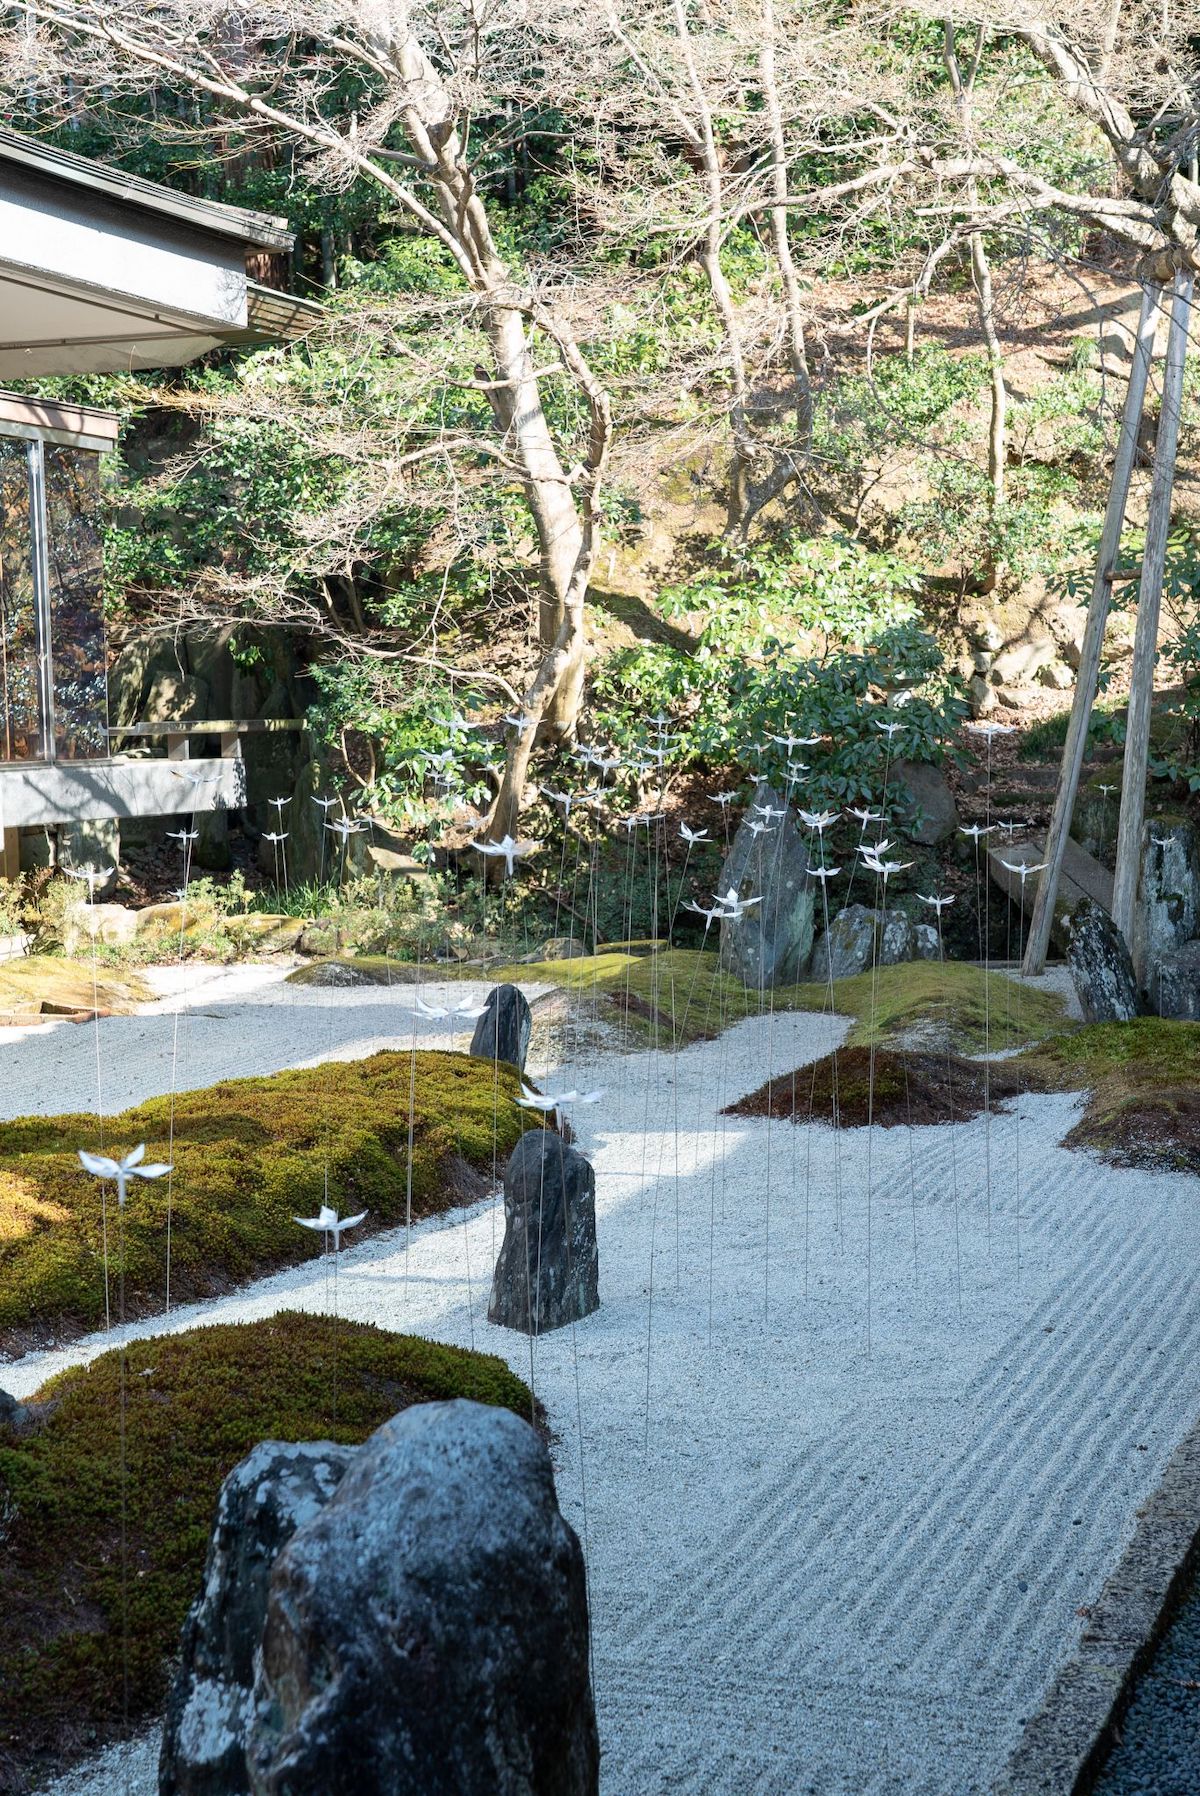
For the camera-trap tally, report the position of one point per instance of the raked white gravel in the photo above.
(813, 1568)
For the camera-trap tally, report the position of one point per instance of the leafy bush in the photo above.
(752, 675)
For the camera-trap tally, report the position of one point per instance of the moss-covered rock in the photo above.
(47, 985)
(97, 1572)
(249, 1154)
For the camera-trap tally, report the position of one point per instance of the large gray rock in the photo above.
(1101, 967)
(547, 1271)
(926, 944)
(895, 939)
(504, 1029)
(1168, 900)
(276, 1489)
(848, 945)
(930, 815)
(1173, 983)
(12, 1413)
(427, 1632)
(770, 944)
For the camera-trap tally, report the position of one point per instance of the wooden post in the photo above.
(1093, 635)
(1145, 643)
(10, 854)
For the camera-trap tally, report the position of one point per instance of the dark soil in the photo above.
(902, 1088)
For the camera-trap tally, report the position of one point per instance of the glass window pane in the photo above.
(21, 736)
(76, 603)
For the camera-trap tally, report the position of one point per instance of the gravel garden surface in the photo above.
(857, 1431)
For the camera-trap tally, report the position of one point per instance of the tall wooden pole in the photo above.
(1145, 642)
(1093, 635)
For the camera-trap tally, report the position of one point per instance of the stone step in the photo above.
(1082, 876)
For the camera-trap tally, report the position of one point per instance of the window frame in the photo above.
(39, 423)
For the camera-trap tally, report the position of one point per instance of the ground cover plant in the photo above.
(249, 1154)
(888, 1088)
(196, 1402)
(681, 994)
(1142, 1080)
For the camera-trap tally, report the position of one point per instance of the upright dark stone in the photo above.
(1167, 914)
(848, 945)
(427, 1632)
(503, 1031)
(1173, 983)
(770, 943)
(547, 1273)
(275, 1490)
(1100, 965)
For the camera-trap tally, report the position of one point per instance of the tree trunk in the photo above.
(962, 88)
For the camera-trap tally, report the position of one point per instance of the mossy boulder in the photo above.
(87, 1600)
(249, 1154)
(46, 985)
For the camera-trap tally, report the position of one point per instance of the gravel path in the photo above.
(813, 1568)
(1159, 1750)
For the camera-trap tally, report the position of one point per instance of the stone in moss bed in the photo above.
(249, 1155)
(196, 1402)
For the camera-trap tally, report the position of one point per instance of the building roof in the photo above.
(257, 229)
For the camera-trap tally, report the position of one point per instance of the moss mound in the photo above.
(912, 1088)
(249, 1155)
(195, 1404)
(680, 994)
(44, 985)
(1143, 1084)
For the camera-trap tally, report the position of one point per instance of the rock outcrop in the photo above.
(547, 1271)
(427, 1631)
(847, 946)
(770, 943)
(1173, 983)
(931, 814)
(1168, 901)
(276, 1489)
(1101, 967)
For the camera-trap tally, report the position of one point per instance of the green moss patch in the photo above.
(853, 1088)
(680, 994)
(195, 1403)
(249, 1155)
(44, 985)
(1143, 1084)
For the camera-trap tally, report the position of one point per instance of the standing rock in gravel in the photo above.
(847, 946)
(769, 945)
(547, 1272)
(1167, 913)
(427, 1632)
(276, 1489)
(504, 1029)
(1100, 965)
